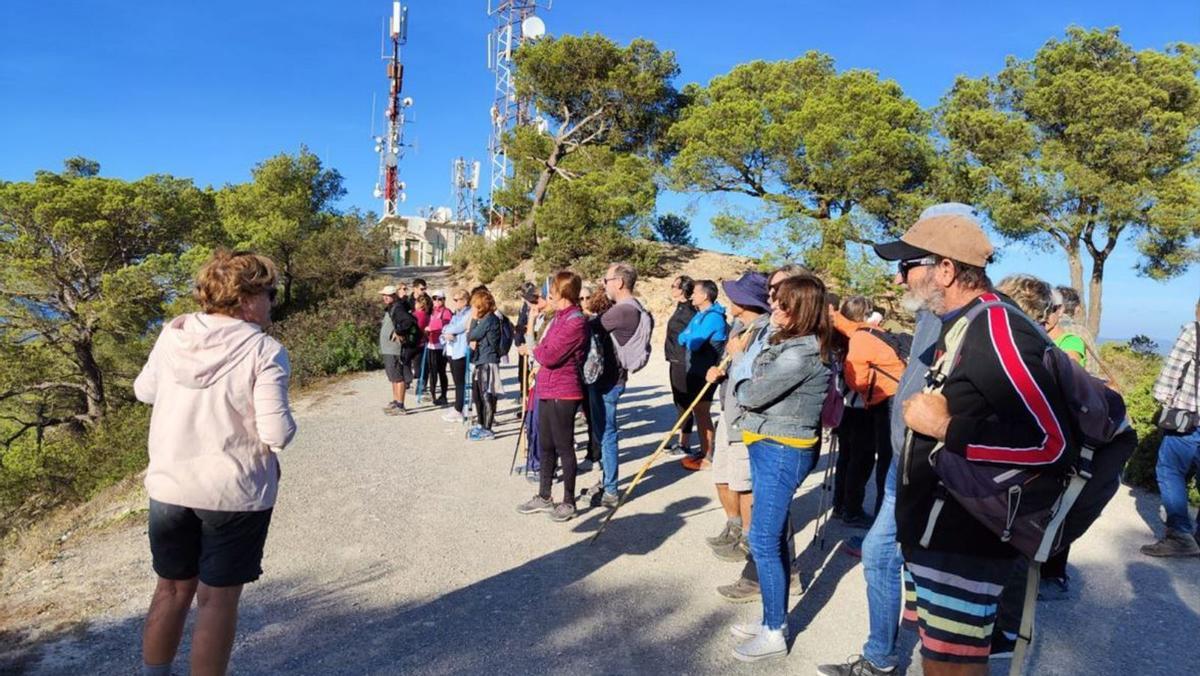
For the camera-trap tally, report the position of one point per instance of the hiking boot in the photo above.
(563, 512)
(746, 630)
(1174, 543)
(729, 535)
(734, 552)
(610, 500)
(742, 591)
(1003, 645)
(536, 504)
(855, 666)
(768, 644)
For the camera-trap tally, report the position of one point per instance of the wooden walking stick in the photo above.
(525, 421)
(661, 447)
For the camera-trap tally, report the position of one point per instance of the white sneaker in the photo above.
(744, 630)
(768, 644)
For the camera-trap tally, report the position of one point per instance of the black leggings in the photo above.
(864, 445)
(458, 369)
(435, 370)
(485, 404)
(556, 432)
(680, 394)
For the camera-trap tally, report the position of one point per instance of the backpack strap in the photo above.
(1025, 633)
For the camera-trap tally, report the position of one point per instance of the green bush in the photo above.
(339, 336)
(1135, 373)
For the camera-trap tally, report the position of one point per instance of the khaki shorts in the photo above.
(731, 463)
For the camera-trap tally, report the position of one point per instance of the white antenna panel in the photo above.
(533, 27)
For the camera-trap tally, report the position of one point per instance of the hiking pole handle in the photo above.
(658, 451)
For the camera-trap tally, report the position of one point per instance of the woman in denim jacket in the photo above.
(781, 428)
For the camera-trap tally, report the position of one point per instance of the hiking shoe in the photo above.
(610, 500)
(742, 591)
(767, 644)
(855, 666)
(1003, 645)
(441, 401)
(734, 553)
(677, 449)
(860, 520)
(695, 464)
(729, 535)
(391, 408)
(480, 434)
(536, 504)
(563, 512)
(1174, 543)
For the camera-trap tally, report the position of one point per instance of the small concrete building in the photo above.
(426, 240)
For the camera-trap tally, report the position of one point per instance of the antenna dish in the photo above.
(533, 27)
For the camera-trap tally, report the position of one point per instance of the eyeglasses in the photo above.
(610, 279)
(271, 294)
(911, 263)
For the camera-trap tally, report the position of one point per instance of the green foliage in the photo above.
(506, 286)
(1083, 145)
(339, 336)
(674, 229)
(834, 157)
(289, 200)
(1135, 371)
(348, 249)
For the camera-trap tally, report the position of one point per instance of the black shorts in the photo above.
(224, 549)
(398, 368)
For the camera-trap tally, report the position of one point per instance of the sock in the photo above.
(735, 522)
(156, 669)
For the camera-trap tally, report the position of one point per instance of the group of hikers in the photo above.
(991, 446)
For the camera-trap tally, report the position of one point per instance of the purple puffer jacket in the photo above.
(560, 353)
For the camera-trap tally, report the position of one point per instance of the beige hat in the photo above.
(956, 236)
(388, 290)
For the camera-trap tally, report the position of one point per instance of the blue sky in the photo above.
(206, 89)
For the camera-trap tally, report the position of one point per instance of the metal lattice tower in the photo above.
(508, 32)
(391, 146)
(464, 179)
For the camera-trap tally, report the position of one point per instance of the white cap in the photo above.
(438, 293)
(388, 290)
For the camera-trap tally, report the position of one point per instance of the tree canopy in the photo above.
(1087, 144)
(833, 157)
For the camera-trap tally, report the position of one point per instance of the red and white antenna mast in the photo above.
(391, 146)
(515, 22)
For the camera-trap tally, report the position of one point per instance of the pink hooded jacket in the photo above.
(219, 387)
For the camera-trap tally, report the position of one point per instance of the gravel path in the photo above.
(396, 548)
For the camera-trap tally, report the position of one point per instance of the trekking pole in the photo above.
(525, 421)
(421, 372)
(469, 387)
(662, 445)
(822, 520)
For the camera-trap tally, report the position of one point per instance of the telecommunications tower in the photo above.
(464, 179)
(515, 22)
(390, 147)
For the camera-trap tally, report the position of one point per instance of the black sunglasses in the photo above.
(905, 266)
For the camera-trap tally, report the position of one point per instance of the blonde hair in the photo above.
(1032, 295)
(229, 276)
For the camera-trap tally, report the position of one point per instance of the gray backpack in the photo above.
(635, 353)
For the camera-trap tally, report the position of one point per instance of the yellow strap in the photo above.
(751, 437)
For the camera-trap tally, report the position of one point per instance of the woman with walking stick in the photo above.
(559, 389)
(782, 392)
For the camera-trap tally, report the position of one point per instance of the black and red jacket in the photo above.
(1005, 408)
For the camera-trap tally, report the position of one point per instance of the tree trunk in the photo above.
(93, 379)
(543, 185)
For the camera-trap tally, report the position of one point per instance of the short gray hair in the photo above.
(626, 273)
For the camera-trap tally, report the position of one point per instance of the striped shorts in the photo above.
(951, 600)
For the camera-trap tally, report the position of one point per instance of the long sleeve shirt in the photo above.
(872, 367)
(1176, 384)
(455, 334)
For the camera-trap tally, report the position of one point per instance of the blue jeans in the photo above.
(1176, 455)
(882, 564)
(776, 472)
(604, 418)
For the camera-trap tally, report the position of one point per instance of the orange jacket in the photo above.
(872, 368)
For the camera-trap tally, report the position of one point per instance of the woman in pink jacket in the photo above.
(559, 390)
(219, 387)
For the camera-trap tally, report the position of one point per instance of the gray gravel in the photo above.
(396, 548)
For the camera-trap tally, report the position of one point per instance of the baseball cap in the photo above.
(749, 291)
(388, 290)
(438, 293)
(950, 230)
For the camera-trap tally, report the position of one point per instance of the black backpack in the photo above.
(507, 331)
(901, 343)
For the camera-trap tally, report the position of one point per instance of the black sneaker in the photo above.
(855, 666)
(1002, 646)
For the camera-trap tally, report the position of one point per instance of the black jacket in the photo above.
(676, 353)
(522, 325)
(1005, 408)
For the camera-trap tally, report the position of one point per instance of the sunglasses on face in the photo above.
(905, 266)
